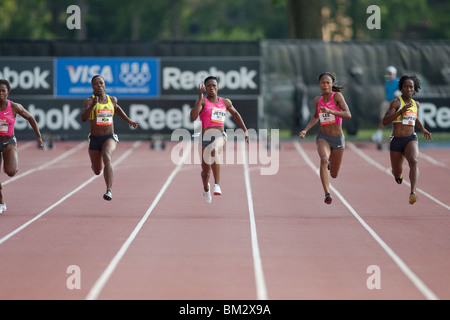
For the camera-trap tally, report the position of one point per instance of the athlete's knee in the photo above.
(324, 160)
(333, 174)
(96, 171)
(413, 161)
(205, 173)
(11, 172)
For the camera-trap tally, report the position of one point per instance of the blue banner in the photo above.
(124, 77)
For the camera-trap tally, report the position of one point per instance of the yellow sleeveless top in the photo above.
(410, 116)
(103, 113)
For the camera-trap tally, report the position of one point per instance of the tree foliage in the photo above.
(141, 20)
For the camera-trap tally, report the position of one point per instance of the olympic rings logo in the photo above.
(135, 77)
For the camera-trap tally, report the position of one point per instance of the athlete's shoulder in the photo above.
(226, 101)
(317, 99)
(15, 105)
(113, 99)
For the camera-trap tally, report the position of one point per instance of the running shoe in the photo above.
(328, 198)
(217, 190)
(108, 195)
(2, 207)
(399, 179)
(207, 195)
(412, 198)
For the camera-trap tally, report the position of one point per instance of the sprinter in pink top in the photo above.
(330, 109)
(8, 142)
(212, 112)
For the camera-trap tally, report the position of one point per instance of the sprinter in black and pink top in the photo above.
(330, 109)
(211, 110)
(8, 141)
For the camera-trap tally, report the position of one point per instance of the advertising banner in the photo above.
(62, 118)
(124, 77)
(237, 76)
(434, 113)
(33, 76)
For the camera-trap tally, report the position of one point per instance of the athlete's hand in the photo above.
(302, 134)
(134, 124)
(325, 110)
(427, 135)
(405, 107)
(41, 143)
(94, 101)
(201, 89)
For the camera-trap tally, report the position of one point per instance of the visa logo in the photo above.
(84, 73)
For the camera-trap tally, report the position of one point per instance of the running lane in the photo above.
(418, 233)
(84, 230)
(188, 249)
(311, 250)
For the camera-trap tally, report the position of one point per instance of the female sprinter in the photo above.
(403, 114)
(100, 109)
(330, 109)
(212, 110)
(8, 141)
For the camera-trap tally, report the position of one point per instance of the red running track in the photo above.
(267, 237)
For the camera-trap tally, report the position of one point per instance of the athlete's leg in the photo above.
(96, 161)
(324, 150)
(412, 154)
(217, 156)
(1, 188)
(396, 163)
(10, 166)
(206, 168)
(10, 160)
(336, 156)
(108, 148)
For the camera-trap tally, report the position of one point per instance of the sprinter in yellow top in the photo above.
(99, 109)
(403, 113)
(103, 113)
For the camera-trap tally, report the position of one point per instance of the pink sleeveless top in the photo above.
(213, 114)
(327, 118)
(7, 121)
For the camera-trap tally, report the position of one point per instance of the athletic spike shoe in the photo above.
(108, 195)
(2, 207)
(328, 198)
(399, 179)
(207, 195)
(413, 198)
(217, 190)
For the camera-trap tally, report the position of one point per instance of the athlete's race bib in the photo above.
(326, 118)
(218, 115)
(4, 124)
(104, 117)
(409, 118)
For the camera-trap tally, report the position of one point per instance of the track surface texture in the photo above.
(269, 236)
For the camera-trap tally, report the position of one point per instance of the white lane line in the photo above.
(41, 167)
(388, 172)
(406, 270)
(261, 290)
(25, 145)
(84, 184)
(104, 277)
(432, 160)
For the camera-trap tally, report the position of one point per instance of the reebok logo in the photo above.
(26, 79)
